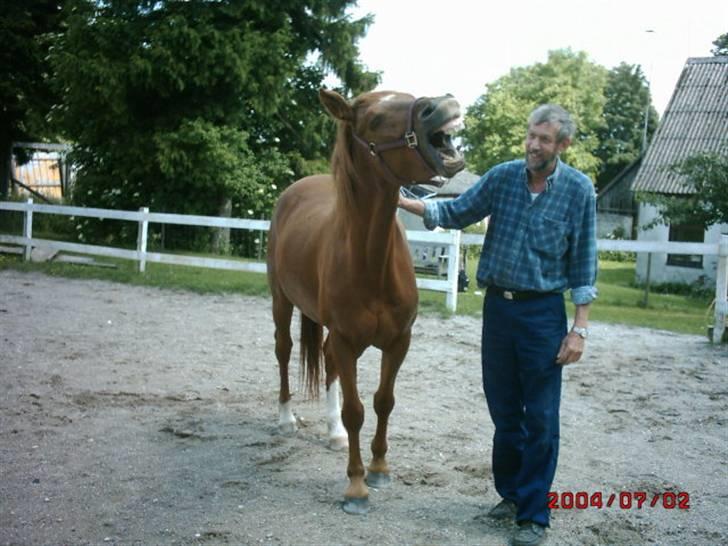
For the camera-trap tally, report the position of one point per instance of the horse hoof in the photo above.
(339, 443)
(378, 480)
(287, 429)
(356, 506)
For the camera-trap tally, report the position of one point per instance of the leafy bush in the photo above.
(699, 289)
(619, 233)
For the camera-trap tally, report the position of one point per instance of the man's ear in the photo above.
(336, 105)
(564, 144)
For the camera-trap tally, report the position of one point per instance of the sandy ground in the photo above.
(137, 416)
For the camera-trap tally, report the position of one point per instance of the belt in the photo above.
(518, 295)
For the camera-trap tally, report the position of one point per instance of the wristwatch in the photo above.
(583, 333)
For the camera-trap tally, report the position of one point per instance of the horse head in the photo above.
(410, 138)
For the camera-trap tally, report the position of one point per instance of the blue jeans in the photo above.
(522, 384)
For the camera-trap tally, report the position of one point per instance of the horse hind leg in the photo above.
(282, 313)
(338, 438)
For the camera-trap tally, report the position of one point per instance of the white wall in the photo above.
(607, 222)
(660, 272)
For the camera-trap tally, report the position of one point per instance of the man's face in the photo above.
(542, 147)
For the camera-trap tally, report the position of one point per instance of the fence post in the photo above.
(721, 287)
(142, 232)
(645, 299)
(28, 229)
(453, 268)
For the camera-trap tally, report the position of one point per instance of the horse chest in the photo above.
(391, 324)
(373, 323)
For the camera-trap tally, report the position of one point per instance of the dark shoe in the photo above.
(505, 509)
(529, 534)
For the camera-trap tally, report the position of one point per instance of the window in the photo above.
(686, 234)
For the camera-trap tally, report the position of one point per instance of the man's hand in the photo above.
(415, 206)
(572, 347)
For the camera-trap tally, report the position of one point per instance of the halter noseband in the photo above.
(409, 140)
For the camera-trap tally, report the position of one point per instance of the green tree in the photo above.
(721, 45)
(627, 97)
(26, 31)
(705, 178)
(496, 123)
(193, 107)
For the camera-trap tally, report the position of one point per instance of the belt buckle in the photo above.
(507, 294)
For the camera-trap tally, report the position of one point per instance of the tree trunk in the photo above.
(221, 236)
(5, 162)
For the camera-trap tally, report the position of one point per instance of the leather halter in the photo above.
(409, 140)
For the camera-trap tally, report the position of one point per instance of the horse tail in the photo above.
(312, 335)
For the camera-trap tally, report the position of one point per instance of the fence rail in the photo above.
(453, 240)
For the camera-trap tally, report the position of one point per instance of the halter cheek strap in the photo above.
(409, 140)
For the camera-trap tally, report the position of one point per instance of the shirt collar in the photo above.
(554, 176)
(550, 179)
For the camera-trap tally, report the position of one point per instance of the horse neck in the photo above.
(366, 217)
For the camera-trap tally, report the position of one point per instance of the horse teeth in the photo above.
(452, 126)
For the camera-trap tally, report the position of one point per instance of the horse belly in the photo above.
(297, 241)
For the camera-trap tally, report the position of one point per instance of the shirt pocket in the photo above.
(548, 236)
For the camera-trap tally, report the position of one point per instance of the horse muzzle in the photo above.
(435, 123)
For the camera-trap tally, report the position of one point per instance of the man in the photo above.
(541, 241)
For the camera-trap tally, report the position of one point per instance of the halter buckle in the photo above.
(373, 149)
(410, 139)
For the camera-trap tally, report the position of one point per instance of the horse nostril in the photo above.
(428, 110)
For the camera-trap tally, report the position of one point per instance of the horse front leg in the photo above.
(392, 358)
(356, 496)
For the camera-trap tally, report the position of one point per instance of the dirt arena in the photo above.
(134, 415)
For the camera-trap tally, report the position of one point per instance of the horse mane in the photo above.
(342, 166)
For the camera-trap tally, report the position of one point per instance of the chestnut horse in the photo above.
(337, 252)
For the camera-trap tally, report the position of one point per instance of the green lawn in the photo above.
(196, 279)
(619, 301)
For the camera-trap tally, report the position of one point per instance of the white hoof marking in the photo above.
(286, 419)
(338, 438)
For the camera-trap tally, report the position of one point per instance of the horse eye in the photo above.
(376, 121)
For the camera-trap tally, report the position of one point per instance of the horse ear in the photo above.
(336, 105)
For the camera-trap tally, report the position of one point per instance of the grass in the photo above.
(619, 300)
(195, 279)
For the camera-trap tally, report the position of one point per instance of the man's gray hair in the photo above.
(553, 113)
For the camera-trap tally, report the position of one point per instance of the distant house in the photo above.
(427, 257)
(47, 173)
(696, 120)
(616, 205)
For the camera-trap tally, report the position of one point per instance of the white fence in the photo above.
(451, 239)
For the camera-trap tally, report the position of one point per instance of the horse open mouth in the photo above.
(441, 141)
(448, 159)
(436, 122)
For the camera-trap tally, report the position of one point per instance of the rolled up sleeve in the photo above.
(584, 295)
(431, 217)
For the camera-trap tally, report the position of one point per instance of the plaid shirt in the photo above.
(546, 245)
